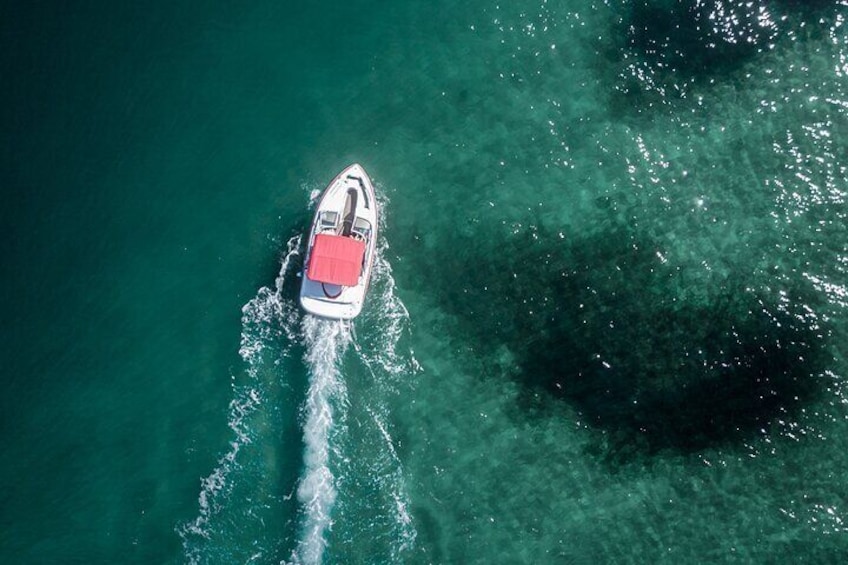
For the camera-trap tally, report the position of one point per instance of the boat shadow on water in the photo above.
(652, 357)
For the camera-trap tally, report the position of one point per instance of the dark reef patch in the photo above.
(664, 47)
(808, 9)
(695, 38)
(653, 356)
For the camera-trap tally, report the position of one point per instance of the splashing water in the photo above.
(389, 366)
(272, 325)
(326, 343)
(268, 314)
(263, 318)
(329, 448)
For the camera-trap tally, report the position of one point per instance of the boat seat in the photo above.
(361, 225)
(328, 221)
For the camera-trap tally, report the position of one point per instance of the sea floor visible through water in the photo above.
(607, 322)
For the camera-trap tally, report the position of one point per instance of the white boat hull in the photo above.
(347, 207)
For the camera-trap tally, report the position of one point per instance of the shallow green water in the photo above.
(607, 325)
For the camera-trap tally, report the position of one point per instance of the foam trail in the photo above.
(326, 341)
(267, 313)
(263, 318)
(325, 435)
(390, 367)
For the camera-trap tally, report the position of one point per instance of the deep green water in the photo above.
(608, 323)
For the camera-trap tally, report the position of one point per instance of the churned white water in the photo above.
(326, 342)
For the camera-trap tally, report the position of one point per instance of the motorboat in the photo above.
(341, 247)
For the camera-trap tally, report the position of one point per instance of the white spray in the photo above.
(326, 341)
(263, 317)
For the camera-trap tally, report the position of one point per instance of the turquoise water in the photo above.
(607, 324)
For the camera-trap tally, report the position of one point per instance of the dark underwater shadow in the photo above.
(647, 355)
(807, 9)
(685, 36)
(664, 46)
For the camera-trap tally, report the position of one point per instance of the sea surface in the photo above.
(607, 323)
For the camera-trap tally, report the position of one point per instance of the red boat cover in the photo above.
(336, 259)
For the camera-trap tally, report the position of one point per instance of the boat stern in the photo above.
(330, 309)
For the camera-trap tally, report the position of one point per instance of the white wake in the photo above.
(374, 365)
(265, 319)
(326, 342)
